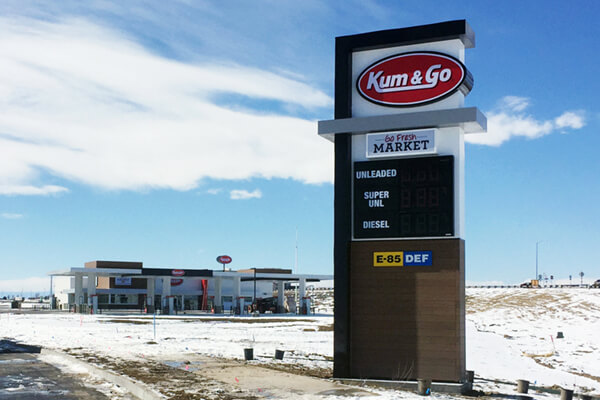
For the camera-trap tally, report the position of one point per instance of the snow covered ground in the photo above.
(511, 334)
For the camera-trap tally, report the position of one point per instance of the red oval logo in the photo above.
(177, 272)
(176, 282)
(412, 79)
(224, 259)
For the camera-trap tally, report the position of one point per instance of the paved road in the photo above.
(24, 376)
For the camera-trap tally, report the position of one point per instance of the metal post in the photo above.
(218, 300)
(51, 294)
(296, 266)
(280, 296)
(91, 292)
(236, 291)
(78, 289)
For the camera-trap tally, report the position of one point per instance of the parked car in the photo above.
(596, 284)
(265, 304)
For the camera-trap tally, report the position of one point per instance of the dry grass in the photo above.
(126, 321)
(320, 328)
(574, 372)
(324, 373)
(528, 301)
(259, 320)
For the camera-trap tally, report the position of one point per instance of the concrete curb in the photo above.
(437, 387)
(137, 389)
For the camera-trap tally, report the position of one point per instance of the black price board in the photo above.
(403, 198)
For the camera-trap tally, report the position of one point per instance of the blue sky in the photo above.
(173, 132)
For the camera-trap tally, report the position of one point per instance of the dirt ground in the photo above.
(201, 377)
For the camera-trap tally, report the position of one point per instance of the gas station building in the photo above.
(121, 285)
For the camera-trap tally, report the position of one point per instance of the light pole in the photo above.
(536, 258)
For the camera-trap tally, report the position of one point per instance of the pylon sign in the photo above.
(399, 133)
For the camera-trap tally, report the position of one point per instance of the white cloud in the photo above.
(508, 120)
(27, 285)
(214, 191)
(11, 216)
(29, 190)
(86, 104)
(514, 103)
(245, 195)
(569, 119)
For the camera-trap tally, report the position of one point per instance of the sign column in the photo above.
(399, 201)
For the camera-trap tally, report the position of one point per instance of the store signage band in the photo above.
(412, 79)
(401, 143)
(120, 281)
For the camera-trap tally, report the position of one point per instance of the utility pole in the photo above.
(296, 267)
(536, 258)
(296, 254)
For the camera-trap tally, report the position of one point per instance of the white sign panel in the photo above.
(364, 61)
(401, 143)
(123, 281)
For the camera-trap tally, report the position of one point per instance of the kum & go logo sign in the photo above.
(412, 79)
